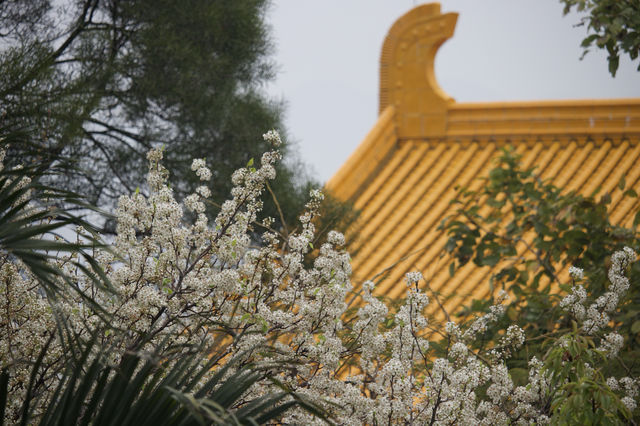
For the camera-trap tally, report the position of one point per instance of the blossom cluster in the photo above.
(596, 316)
(189, 281)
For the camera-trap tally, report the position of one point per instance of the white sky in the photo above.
(328, 52)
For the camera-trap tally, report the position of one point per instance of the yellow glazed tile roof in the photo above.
(403, 175)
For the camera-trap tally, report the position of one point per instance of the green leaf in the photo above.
(491, 260)
(264, 324)
(613, 64)
(621, 183)
(588, 40)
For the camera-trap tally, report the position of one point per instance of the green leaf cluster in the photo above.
(583, 397)
(529, 231)
(613, 25)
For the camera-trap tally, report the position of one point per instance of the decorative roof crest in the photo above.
(407, 77)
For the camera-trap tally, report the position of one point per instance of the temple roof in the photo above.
(424, 145)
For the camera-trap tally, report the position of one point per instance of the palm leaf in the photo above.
(148, 391)
(31, 230)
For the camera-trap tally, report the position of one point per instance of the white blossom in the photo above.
(576, 273)
(364, 361)
(611, 344)
(273, 137)
(412, 278)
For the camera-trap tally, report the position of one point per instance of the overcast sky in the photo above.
(502, 50)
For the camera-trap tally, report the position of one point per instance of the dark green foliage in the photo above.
(613, 25)
(105, 80)
(535, 230)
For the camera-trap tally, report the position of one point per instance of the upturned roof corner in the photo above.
(407, 77)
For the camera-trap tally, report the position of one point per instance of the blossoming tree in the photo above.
(180, 283)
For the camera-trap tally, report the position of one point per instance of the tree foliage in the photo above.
(530, 232)
(613, 25)
(103, 81)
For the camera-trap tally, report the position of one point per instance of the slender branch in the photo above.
(275, 201)
(87, 10)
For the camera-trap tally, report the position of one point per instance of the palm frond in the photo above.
(34, 217)
(147, 390)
